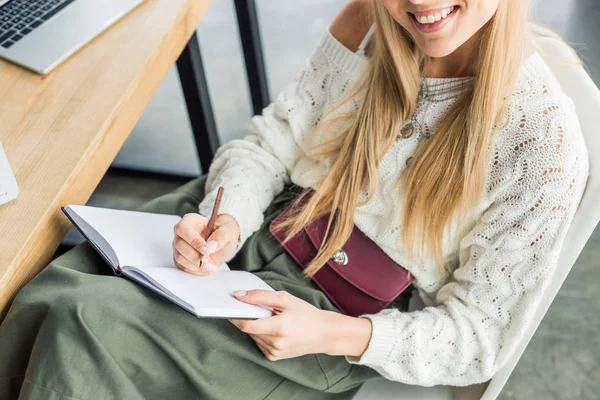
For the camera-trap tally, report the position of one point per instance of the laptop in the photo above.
(40, 34)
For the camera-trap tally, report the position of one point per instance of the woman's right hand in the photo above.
(193, 254)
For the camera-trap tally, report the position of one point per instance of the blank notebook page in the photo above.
(210, 296)
(143, 242)
(137, 238)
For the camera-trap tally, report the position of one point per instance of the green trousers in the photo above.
(76, 331)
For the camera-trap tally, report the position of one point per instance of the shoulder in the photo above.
(540, 141)
(335, 55)
(352, 23)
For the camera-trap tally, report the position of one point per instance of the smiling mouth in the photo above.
(433, 20)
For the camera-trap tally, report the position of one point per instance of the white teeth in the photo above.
(433, 18)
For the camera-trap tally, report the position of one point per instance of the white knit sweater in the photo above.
(499, 260)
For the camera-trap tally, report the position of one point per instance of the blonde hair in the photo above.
(447, 174)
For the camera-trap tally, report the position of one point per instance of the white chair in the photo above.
(578, 85)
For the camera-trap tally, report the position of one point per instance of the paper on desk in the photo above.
(8, 184)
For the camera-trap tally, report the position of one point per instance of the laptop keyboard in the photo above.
(18, 18)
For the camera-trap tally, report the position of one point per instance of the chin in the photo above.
(438, 50)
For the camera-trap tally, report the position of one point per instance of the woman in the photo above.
(450, 144)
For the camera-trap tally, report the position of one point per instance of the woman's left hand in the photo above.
(298, 328)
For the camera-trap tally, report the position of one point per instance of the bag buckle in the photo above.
(340, 257)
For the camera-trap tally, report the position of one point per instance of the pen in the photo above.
(213, 217)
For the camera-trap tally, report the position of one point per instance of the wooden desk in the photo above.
(62, 131)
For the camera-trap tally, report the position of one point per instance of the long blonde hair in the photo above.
(447, 174)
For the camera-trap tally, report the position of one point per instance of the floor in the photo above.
(563, 359)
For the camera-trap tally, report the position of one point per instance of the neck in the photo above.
(457, 64)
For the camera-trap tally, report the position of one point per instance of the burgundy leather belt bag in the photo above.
(359, 279)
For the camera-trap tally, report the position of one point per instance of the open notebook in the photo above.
(139, 246)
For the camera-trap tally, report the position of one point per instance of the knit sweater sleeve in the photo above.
(506, 262)
(253, 170)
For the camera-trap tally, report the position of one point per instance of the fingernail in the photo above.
(239, 293)
(210, 246)
(209, 267)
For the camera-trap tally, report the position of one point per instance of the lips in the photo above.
(433, 20)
